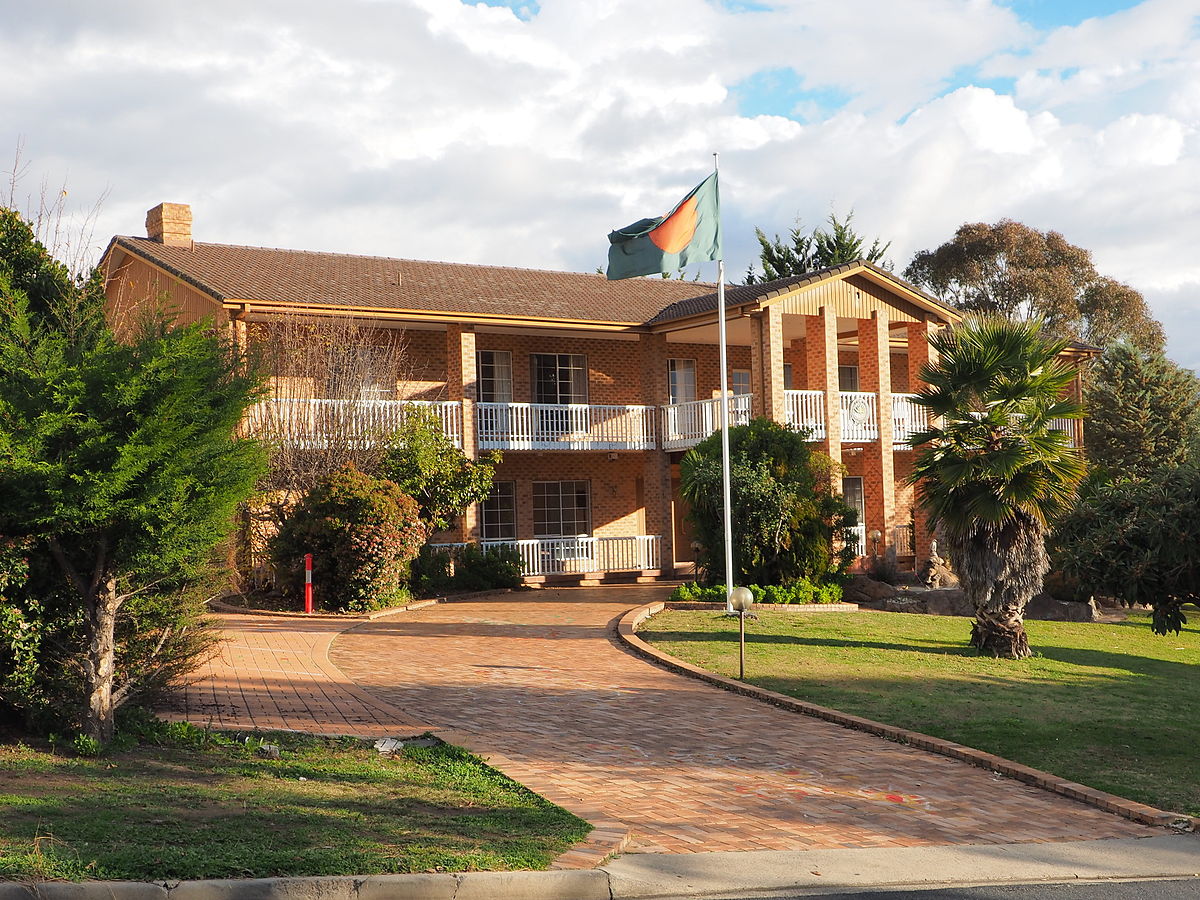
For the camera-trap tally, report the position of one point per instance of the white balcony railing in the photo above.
(555, 426)
(860, 538)
(902, 540)
(860, 416)
(576, 555)
(1070, 426)
(685, 425)
(316, 423)
(806, 409)
(907, 419)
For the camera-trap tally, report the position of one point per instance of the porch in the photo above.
(564, 426)
(583, 555)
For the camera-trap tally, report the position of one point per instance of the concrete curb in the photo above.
(591, 884)
(218, 605)
(1129, 809)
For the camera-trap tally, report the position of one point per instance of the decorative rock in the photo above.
(867, 591)
(268, 751)
(1045, 607)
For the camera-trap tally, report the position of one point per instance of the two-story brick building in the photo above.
(593, 389)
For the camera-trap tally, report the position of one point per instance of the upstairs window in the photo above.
(495, 376)
(847, 378)
(681, 380)
(559, 377)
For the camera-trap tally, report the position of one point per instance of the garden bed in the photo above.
(212, 805)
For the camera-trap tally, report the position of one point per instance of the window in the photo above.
(847, 378)
(362, 373)
(739, 381)
(495, 376)
(787, 376)
(559, 378)
(561, 508)
(498, 513)
(681, 380)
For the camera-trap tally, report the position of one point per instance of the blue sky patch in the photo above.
(523, 9)
(1047, 14)
(781, 92)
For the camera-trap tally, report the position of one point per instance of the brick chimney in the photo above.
(171, 224)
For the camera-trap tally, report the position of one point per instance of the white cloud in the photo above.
(432, 128)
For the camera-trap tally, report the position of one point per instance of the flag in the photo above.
(690, 233)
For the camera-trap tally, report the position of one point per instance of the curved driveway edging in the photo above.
(1129, 809)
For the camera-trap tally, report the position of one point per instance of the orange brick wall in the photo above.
(617, 487)
(614, 371)
(708, 365)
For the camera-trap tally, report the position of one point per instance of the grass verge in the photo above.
(206, 805)
(1114, 707)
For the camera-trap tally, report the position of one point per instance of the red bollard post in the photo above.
(308, 582)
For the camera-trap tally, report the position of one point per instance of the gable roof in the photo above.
(262, 275)
(762, 294)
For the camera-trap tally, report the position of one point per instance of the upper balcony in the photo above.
(859, 415)
(564, 426)
(319, 423)
(685, 425)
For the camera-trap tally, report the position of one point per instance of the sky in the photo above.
(521, 133)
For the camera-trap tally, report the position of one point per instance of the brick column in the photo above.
(879, 475)
(821, 358)
(461, 385)
(656, 463)
(919, 355)
(766, 361)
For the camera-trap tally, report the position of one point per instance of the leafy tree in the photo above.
(363, 533)
(820, 249)
(439, 476)
(995, 471)
(1009, 269)
(119, 461)
(1144, 411)
(785, 517)
(1138, 541)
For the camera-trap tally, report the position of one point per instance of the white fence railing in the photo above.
(860, 538)
(314, 423)
(806, 409)
(563, 426)
(685, 425)
(902, 540)
(570, 555)
(1070, 426)
(907, 419)
(860, 416)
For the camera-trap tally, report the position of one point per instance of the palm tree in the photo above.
(993, 470)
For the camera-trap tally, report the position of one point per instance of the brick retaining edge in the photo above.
(1129, 809)
(218, 604)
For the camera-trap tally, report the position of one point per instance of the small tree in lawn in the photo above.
(118, 460)
(785, 517)
(996, 471)
(1138, 541)
(430, 469)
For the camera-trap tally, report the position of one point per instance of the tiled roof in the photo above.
(737, 295)
(265, 275)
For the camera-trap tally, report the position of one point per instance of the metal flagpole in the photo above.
(725, 488)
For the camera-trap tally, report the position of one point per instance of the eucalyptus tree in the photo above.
(992, 469)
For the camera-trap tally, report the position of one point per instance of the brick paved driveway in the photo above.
(532, 681)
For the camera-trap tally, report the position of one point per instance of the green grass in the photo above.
(1111, 706)
(208, 807)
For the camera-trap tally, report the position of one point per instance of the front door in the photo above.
(852, 494)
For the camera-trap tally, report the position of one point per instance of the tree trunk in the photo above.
(1004, 637)
(99, 664)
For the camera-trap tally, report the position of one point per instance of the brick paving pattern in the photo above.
(533, 682)
(274, 673)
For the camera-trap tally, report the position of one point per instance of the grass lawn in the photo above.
(1114, 707)
(205, 805)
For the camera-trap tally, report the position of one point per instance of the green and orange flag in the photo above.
(690, 233)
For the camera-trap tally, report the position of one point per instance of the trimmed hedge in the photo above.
(802, 590)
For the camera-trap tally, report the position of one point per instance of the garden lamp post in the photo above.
(876, 534)
(741, 599)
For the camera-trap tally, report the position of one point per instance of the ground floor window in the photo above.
(498, 513)
(561, 508)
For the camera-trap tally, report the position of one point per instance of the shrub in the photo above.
(438, 570)
(802, 590)
(363, 533)
(485, 568)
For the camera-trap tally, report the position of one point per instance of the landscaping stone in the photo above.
(866, 591)
(1045, 607)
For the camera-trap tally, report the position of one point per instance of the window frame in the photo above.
(486, 385)
(674, 383)
(488, 530)
(579, 488)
